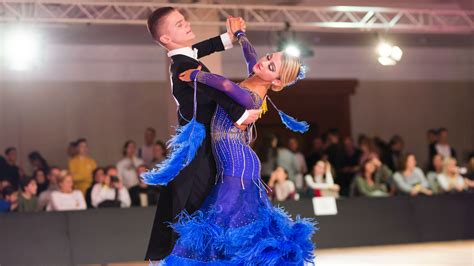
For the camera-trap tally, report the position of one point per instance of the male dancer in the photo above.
(190, 188)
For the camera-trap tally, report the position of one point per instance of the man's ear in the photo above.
(165, 39)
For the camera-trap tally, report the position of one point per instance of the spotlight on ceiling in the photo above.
(21, 48)
(389, 55)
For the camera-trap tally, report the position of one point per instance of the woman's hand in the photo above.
(186, 75)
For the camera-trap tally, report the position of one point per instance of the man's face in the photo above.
(12, 198)
(82, 148)
(149, 137)
(11, 156)
(176, 31)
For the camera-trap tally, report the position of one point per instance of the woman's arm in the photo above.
(220, 83)
(250, 54)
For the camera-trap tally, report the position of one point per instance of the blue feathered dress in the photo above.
(237, 224)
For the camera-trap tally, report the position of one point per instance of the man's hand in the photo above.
(253, 116)
(234, 24)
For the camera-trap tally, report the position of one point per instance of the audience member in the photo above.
(267, 154)
(81, 166)
(436, 169)
(27, 200)
(98, 176)
(143, 195)
(45, 197)
(321, 181)
(450, 179)
(410, 179)
(127, 166)
(9, 169)
(301, 167)
(366, 183)
(282, 188)
(9, 200)
(159, 154)
(316, 153)
(394, 155)
(350, 166)
(37, 161)
(66, 199)
(110, 193)
(40, 177)
(146, 152)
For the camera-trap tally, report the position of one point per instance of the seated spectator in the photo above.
(110, 193)
(159, 154)
(98, 176)
(9, 200)
(127, 166)
(66, 199)
(27, 200)
(366, 183)
(410, 179)
(282, 188)
(40, 177)
(450, 179)
(45, 197)
(383, 174)
(470, 171)
(432, 176)
(143, 195)
(321, 181)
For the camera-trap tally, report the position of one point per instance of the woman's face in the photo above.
(158, 151)
(369, 168)
(411, 162)
(131, 149)
(319, 168)
(32, 187)
(281, 175)
(451, 167)
(437, 162)
(66, 185)
(268, 67)
(99, 176)
(40, 177)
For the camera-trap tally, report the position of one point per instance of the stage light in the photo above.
(396, 53)
(389, 55)
(384, 49)
(293, 50)
(386, 61)
(21, 49)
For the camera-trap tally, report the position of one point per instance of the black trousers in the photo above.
(186, 192)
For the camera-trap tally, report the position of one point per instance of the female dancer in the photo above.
(237, 224)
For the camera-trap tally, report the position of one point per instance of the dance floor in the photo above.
(453, 253)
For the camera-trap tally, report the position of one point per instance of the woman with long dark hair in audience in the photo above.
(321, 181)
(37, 161)
(40, 176)
(410, 179)
(366, 183)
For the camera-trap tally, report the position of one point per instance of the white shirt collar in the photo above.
(186, 51)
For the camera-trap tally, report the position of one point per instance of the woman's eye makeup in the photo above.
(271, 66)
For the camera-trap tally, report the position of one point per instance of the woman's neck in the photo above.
(26, 195)
(256, 84)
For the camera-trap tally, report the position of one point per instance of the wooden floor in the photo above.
(455, 253)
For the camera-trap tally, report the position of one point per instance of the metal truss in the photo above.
(258, 17)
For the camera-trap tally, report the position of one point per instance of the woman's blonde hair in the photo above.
(290, 68)
(446, 163)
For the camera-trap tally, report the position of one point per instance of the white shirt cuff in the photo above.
(226, 41)
(243, 118)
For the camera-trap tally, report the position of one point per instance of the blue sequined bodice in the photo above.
(231, 146)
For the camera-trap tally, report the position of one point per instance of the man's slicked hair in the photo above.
(156, 19)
